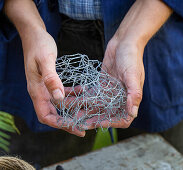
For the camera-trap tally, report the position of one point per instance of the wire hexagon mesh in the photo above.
(93, 96)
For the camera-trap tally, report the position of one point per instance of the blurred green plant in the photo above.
(103, 138)
(7, 124)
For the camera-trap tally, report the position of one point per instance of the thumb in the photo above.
(51, 79)
(134, 94)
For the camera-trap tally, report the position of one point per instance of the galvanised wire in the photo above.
(94, 95)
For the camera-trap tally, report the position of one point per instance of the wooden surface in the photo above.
(144, 152)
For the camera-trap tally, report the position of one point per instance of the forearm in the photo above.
(24, 15)
(142, 21)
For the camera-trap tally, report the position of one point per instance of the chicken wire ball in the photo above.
(94, 96)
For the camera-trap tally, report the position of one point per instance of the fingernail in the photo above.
(134, 111)
(57, 94)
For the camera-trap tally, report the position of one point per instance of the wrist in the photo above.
(30, 31)
(132, 39)
(24, 15)
(129, 44)
(142, 21)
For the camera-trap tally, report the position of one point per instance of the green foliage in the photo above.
(7, 124)
(103, 138)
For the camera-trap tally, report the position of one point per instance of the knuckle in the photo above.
(138, 95)
(49, 79)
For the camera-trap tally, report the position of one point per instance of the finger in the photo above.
(50, 77)
(93, 118)
(69, 126)
(45, 111)
(105, 121)
(81, 120)
(47, 115)
(134, 93)
(122, 123)
(69, 103)
(75, 122)
(74, 91)
(87, 122)
(90, 104)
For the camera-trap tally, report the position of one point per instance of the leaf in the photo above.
(4, 142)
(103, 138)
(7, 124)
(6, 127)
(7, 115)
(4, 147)
(7, 120)
(16, 129)
(4, 135)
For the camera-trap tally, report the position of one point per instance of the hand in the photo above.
(91, 111)
(124, 61)
(43, 83)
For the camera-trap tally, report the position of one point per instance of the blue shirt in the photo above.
(162, 103)
(81, 9)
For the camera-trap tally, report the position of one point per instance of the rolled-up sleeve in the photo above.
(7, 29)
(176, 5)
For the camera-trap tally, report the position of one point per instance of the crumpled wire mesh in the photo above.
(98, 96)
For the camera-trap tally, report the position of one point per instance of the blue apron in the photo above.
(162, 103)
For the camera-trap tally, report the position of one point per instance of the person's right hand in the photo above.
(43, 83)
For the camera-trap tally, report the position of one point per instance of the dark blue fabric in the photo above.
(176, 5)
(162, 104)
(1, 4)
(7, 30)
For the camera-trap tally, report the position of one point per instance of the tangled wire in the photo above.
(93, 95)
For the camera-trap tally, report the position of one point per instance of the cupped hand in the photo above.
(43, 83)
(124, 60)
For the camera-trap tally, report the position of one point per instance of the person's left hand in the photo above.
(123, 60)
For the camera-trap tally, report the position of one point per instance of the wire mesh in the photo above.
(94, 96)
